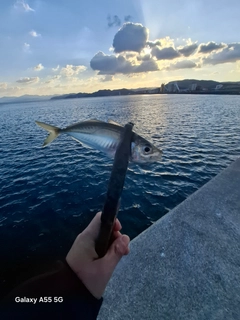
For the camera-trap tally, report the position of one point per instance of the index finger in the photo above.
(117, 225)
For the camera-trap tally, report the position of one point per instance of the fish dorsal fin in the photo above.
(114, 122)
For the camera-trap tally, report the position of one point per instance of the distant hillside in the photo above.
(194, 86)
(99, 93)
(202, 86)
(179, 86)
(208, 84)
(24, 98)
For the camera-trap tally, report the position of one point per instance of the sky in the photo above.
(59, 46)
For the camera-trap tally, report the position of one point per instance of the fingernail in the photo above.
(117, 221)
(125, 240)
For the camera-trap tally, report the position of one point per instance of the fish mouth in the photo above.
(156, 156)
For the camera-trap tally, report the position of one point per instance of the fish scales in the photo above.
(105, 136)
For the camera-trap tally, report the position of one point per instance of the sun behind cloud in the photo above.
(69, 51)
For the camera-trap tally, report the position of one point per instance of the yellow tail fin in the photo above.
(54, 132)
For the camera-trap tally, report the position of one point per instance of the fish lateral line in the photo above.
(105, 137)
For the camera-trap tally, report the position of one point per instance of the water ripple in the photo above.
(49, 194)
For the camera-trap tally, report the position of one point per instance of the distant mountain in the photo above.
(202, 86)
(182, 86)
(24, 98)
(186, 83)
(99, 93)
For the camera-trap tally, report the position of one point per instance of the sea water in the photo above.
(49, 195)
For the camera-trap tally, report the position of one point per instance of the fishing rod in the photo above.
(115, 187)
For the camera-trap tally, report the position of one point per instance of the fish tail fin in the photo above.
(54, 132)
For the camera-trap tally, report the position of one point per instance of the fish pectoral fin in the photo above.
(54, 132)
(114, 122)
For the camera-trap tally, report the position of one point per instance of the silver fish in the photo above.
(105, 136)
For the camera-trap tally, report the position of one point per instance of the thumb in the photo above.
(118, 249)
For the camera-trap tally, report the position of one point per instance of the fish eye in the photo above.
(147, 149)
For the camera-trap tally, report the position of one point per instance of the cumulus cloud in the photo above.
(53, 79)
(34, 34)
(38, 67)
(111, 64)
(10, 90)
(20, 4)
(56, 77)
(165, 53)
(210, 46)
(56, 69)
(130, 55)
(230, 54)
(135, 53)
(146, 66)
(131, 37)
(70, 70)
(188, 50)
(238, 67)
(113, 21)
(144, 57)
(167, 42)
(108, 77)
(28, 80)
(185, 64)
(3, 85)
(153, 44)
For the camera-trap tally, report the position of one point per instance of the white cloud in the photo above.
(53, 79)
(38, 67)
(166, 42)
(28, 80)
(34, 34)
(9, 91)
(56, 69)
(3, 85)
(70, 70)
(108, 77)
(26, 47)
(22, 5)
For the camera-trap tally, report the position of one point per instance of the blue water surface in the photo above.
(48, 195)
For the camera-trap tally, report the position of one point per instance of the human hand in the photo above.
(83, 259)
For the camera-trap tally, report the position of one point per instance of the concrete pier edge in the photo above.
(187, 264)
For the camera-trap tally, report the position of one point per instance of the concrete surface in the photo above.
(187, 265)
